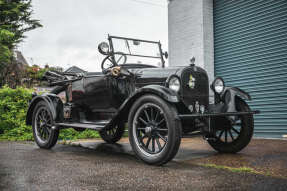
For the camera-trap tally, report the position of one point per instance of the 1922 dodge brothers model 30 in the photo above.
(160, 105)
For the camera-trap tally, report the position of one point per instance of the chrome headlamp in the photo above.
(104, 48)
(218, 85)
(174, 83)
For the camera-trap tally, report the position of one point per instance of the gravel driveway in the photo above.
(94, 165)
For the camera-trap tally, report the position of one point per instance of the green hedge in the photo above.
(13, 107)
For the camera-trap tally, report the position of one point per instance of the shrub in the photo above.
(71, 134)
(13, 107)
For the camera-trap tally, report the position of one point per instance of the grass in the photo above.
(232, 169)
(243, 169)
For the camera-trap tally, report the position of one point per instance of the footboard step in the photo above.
(94, 126)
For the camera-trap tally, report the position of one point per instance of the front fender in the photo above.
(229, 96)
(239, 92)
(53, 101)
(161, 91)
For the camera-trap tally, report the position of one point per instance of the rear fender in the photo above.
(54, 103)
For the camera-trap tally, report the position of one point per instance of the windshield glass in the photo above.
(138, 51)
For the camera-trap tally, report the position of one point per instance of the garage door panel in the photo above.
(258, 74)
(264, 43)
(256, 53)
(243, 12)
(236, 6)
(253, 68)
(255, 81)
(247, 23)
(247, 59)
(271, 87)
(250, 44)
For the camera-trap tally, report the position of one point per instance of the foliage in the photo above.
(34, 74)
(15, 21)
(71, 134)
(5, 52)
(16, 17)
(13, 108)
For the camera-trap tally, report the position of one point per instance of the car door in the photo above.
(98, 96)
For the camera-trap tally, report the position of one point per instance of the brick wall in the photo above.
(190, 25)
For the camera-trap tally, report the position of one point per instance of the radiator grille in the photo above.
(200, 92)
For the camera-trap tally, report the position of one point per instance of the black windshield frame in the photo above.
(110, 38)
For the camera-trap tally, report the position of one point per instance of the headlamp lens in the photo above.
(104, 48)
(218, 85)
(174, 84)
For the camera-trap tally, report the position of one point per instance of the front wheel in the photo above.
(154, 131)
(44, 134)
(232, 137)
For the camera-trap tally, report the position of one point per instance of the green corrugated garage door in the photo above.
(250, 38)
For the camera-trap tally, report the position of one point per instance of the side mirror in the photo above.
(104, 48)
(165, 54)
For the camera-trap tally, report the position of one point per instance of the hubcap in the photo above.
(148, 130)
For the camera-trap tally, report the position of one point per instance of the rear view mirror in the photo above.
(136, 43)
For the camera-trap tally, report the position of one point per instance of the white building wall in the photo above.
(190, 25)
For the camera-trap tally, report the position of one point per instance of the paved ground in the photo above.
(95, 165)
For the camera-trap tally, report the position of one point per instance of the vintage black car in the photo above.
(159, 104)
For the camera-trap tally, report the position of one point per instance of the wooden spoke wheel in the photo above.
(154, 132)
(113, 134)
(44, 134)
(236, 134)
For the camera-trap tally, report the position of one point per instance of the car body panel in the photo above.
(106, 96)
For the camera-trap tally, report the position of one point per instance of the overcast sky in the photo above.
(74, 28)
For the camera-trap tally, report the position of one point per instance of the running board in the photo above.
(191, 135)
(94, 126)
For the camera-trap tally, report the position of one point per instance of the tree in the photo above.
(15, 21)
(5, 53)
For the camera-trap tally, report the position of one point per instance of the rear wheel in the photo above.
(113, 134)
(45, 136)
(154, 132)
(234, 136)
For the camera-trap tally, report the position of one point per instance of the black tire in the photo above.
(44, 135)
(162, 127)
(243, 134)
(113, 134)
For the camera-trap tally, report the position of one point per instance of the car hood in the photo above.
(157, 76)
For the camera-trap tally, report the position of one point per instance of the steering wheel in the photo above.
(108, 62)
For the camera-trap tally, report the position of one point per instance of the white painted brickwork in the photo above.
(190, 24)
